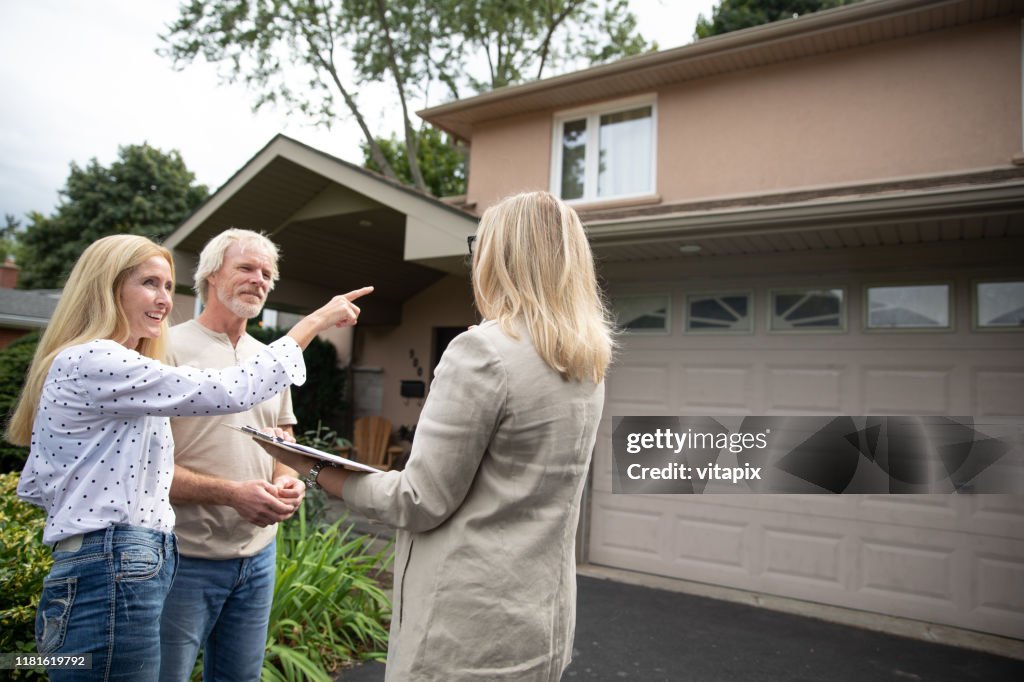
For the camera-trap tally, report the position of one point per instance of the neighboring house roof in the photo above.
(27, 309)
(849, 26)
(339, 227)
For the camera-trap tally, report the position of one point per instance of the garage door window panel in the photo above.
(921, 307)
(720, 313)
(643, 314)
(999, 305)
(807, 310)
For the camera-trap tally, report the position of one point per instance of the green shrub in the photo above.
(14, 362)
(320, 398)
(329, 607)
(24, 563)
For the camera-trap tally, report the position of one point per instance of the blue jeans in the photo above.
(105, 598)
(223, 607)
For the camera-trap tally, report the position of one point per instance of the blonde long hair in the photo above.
(533, 265)
(90, 308)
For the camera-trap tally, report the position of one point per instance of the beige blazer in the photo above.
(487, 507)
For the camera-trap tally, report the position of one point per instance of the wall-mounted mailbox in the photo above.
(413, 389)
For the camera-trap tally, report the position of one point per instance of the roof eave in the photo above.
(834, 213)
(457, 117)
(23, 321)
(285, 147)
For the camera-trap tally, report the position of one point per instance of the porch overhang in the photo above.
(339, 227)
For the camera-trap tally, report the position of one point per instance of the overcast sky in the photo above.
(81, 79)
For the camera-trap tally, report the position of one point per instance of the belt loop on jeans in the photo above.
(72, 543)
(108, 539)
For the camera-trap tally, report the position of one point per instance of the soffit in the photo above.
(863, 23)
(816, 239)
(850, 218)
(349, 251)
(263, 204)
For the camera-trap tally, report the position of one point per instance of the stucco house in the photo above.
(821, 216)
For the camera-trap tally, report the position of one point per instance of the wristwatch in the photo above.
(310, 479)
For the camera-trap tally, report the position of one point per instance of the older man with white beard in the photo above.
(227, 493)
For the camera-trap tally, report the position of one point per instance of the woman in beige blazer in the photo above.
(487, 506)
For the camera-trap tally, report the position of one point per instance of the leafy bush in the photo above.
(329, 607)
(324, 438)
(319, 400)
(24, 563)
(14, 362)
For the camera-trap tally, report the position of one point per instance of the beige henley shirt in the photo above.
(204, 446)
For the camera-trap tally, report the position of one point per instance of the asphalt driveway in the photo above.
(629, 632)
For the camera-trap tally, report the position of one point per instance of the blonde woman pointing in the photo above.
(487, 507)
(94, 411)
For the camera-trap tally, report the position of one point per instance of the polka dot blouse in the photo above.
(102, 451)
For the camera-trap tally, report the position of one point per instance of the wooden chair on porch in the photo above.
(371, 442)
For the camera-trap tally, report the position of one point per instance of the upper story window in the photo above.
(604, 153)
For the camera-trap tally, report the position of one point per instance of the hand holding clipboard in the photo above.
(267, 439)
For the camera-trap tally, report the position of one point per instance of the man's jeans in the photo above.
(104, 596)
(221, 606)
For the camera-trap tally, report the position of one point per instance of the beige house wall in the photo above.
(447, 303)
(937, 103)
(509, 156)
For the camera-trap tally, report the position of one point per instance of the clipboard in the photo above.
(304, 450)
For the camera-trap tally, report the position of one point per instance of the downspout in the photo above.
(1018, 158)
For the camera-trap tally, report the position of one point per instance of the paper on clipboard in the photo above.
(303, 449)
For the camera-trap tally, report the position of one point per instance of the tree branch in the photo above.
(327, 64)
(411, 144)
(553, 25)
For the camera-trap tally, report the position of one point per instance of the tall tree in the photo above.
(442, 161)
(145, 191)
(332, 47)
(9, 247)
(733, 15)
(518, 41)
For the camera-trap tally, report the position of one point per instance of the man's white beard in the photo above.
(238, 306)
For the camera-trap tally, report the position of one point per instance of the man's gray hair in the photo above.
(212, 257)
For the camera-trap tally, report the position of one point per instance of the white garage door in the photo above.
(954, 559)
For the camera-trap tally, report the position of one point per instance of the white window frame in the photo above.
(269, 318)
(593, 115)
